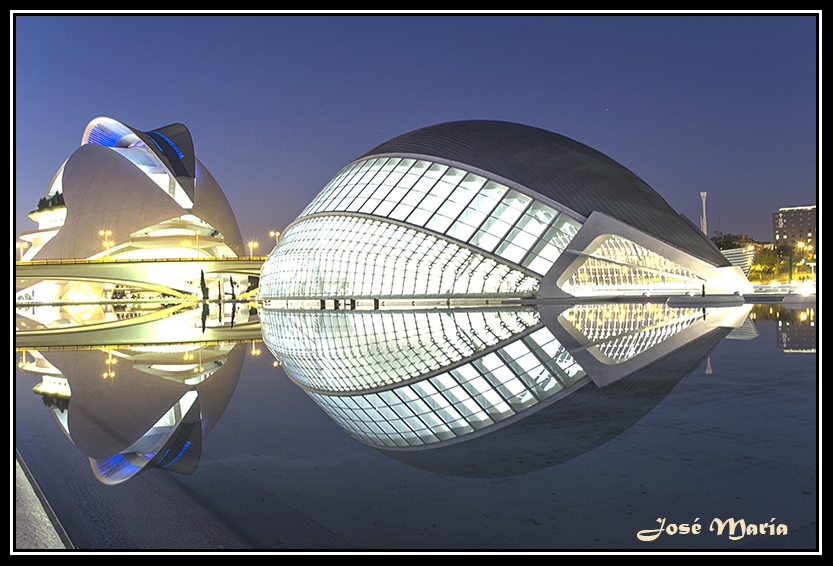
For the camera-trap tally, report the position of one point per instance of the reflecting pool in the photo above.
(412, 427)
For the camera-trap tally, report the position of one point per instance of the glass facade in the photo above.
(447, 200)
(421, 235)
(408, 227)
(365, 257)
(620, 331)
(489, 389)
(404, 228)
(342, 351)
(618, 264)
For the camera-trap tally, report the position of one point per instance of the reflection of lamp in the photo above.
(110, 361)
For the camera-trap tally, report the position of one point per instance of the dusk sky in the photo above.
(278, 104)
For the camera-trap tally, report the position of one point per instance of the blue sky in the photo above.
(278, 103)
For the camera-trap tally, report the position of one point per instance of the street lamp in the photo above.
(107, 241)
(252, 245)
(801, 246)
(275, 234)
(809, 252)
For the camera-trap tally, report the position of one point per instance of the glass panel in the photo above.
(439, 223)
(484, 240)
(511, 252)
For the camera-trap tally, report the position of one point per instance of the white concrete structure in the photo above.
(406, 298)
(146, 191)
(129, 196)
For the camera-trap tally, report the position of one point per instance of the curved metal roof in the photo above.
(557, 167)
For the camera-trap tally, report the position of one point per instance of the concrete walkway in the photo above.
(35, 525)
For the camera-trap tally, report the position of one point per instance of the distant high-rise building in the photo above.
(795, 224)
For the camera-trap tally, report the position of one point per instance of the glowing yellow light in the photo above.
(107, 241)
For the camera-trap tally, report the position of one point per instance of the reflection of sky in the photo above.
(277, 104)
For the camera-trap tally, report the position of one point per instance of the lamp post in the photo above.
(252, 245)
(275, 234)
(107, 241)
(801, 246)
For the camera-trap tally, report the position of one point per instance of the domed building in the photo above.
(488, 208)
(408, 299)
(134, 197)
(130, 194)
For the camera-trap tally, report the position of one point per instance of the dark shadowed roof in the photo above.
(560, 168)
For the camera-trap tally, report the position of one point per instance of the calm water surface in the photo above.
(735, 438)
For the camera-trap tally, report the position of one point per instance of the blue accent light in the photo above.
(105, 136)
(172, 144)
(177, 457)
(156, 144)
(115, 465)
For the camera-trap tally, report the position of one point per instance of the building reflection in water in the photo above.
(493, 390)
(474, 391)
(136, 406)
(795, 327)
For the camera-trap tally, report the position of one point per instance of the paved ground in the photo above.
(35, 526)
